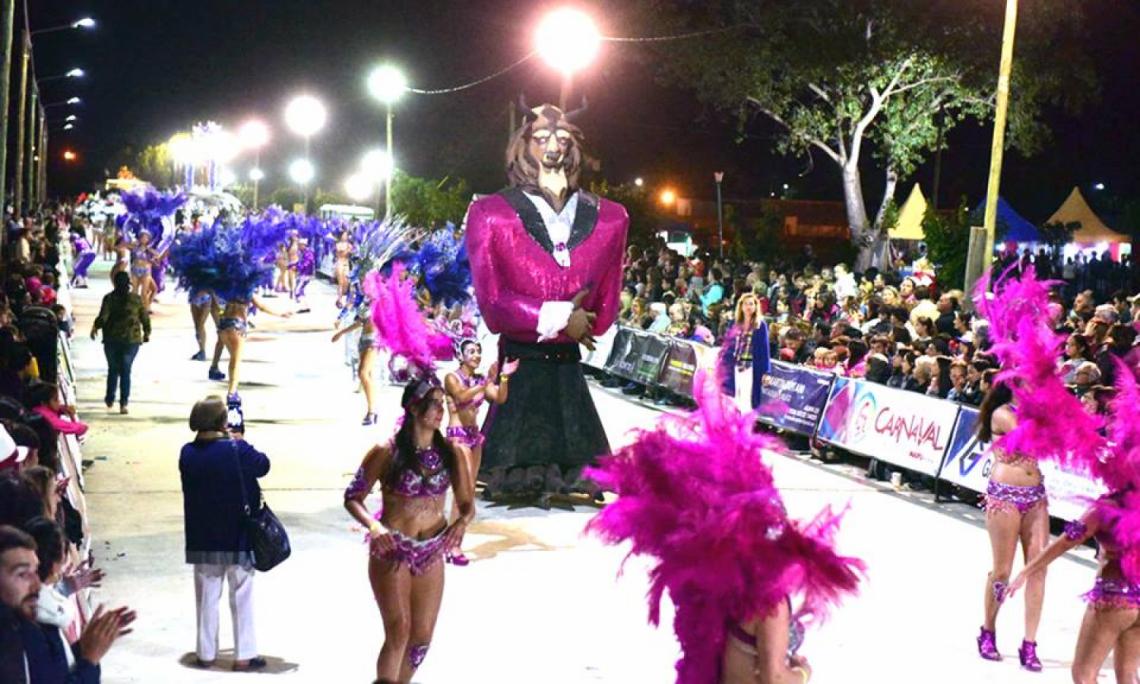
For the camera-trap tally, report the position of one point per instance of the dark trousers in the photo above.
(120, 356)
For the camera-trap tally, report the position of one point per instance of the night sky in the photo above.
(157, 66)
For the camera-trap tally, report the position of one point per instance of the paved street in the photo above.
(540, 603)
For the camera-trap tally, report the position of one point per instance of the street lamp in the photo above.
(639, 182)
(358, 187)
(68, 127)
(69, 101)
(301, 171)
(70, 117)
(1098, 187)
(305, 115)
(69, 156)
(567, 40)
(668, 197)
(387, 85)
(73, 73)
(84, 23)
(254, 135)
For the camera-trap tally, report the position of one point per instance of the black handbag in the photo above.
(266, 534)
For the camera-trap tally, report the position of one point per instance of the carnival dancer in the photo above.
(467, 388)
(409, 534)
(84, 257)
(148, 221)
(1029, 416)
(745, 354)
(143, 258)
(695, 494)
(365, 353)
(546, 263)
(231, 263)
(341, 268)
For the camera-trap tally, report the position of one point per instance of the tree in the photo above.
(841, 77)
(430, 203)
(947, 243)
(1058, 234)
(155, 165)
(643, 221)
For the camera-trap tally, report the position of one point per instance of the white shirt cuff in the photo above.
(552, 319)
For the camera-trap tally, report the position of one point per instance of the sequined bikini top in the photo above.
(468, 383)
(429, 479)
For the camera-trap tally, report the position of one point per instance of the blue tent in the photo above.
(1011, 226)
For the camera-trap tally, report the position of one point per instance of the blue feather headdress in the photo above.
(150, 211)
(443, 267)
(231, 261)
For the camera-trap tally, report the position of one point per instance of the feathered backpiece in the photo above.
(379, 243)
(228, 260)
(1051, 424)
(401, 327)
(148, 210)
(1120, 471)
(695, 494)
(444, 268)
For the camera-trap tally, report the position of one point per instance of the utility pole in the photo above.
(976, 264)
(7, 23)
(22, 104)
(30, 167)
(719, 176)
(44, 157)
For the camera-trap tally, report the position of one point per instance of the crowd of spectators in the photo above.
(41, 532)
(901, 328)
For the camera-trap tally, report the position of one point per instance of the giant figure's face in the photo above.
(545, 155)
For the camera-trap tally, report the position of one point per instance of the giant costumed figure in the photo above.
(546, 266)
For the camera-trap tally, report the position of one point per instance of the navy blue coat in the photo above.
(761, 361)
(211, 495)
(47, 662)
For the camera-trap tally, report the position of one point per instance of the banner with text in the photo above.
(904, 428)
(678, 369)
(793, 397)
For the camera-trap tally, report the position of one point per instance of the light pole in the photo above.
(74, 73)
(7, 25)
(719, 176)
(387, 84)
(567, 40)
(30, 167)
(377, 168)
(254, 135)
(305, 115)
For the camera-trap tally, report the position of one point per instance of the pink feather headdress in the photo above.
(1051, 423)
(695, 494)
(401, 327)
(1120, 471)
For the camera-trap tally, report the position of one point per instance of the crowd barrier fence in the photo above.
(927, 435)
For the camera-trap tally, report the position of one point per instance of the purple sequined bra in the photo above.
(429, 480)
(1007, 497)
(469, 383)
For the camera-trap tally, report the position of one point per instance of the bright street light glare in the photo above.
(70, 117)
(639, 181)
(253, 134)
(305, 115)
(219, 145)
(76, 73)
(74, 100)
(85, 22)
(68, 155)
(182, 148)
(1098, 186)
(227, 177)
(668, 197)
(68, 127)
(358, 187)
(377, 165)
(301, 171)
(256, 175)
(387, 84)
(567, 39)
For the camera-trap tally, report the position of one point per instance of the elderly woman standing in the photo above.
(216, 470)
(126, 325)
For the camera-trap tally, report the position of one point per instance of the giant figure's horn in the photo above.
(574, 113)
(524, 109)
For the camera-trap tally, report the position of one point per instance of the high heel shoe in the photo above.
(1027, 654)
(457, 559)
(987, 645)
(369, 419)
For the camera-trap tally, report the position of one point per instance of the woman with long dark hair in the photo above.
(126, 325)
(1015, 513)
(409, 535)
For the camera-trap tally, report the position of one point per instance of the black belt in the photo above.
(557, 353)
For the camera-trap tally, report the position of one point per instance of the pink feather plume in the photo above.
(401, 327)
(1051, 424)
(1120, 471)
(695, 494)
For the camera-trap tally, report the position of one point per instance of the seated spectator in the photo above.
(958, 371)
(1087, 375)
(878, 369)
(1077, 351)
(947, 308)
(43, 399)
(678, 321)
(660, 318)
